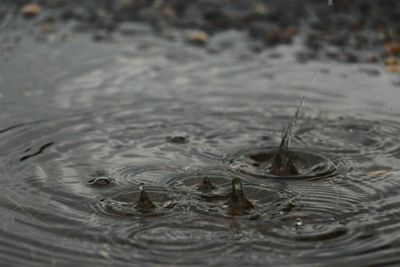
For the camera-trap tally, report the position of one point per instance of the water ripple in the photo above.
(174, 117)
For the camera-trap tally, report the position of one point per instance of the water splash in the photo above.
(282, 163)
(144, 201)
(238, 203)
(206, 185)
(129, 138)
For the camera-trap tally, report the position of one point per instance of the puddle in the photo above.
(186, 122)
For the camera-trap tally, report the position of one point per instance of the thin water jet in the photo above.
(282, 164)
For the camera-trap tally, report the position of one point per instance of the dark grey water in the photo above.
(152, 111)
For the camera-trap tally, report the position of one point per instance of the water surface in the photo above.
(148, 110)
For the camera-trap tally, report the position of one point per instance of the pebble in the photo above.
(392, 64)
(31, 10)
(392, 48)
(197, 37)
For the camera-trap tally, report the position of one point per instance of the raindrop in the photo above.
(141, 187)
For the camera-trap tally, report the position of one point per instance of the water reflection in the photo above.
(188, 124)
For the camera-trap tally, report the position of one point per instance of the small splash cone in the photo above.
(144, 202)
(238, 203)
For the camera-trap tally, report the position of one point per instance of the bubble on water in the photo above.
(178, 138)
(101, 181)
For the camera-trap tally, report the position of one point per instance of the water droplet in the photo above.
(141, 187)
(237, 185)
(299, 222)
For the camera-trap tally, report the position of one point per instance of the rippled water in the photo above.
(153, 111)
